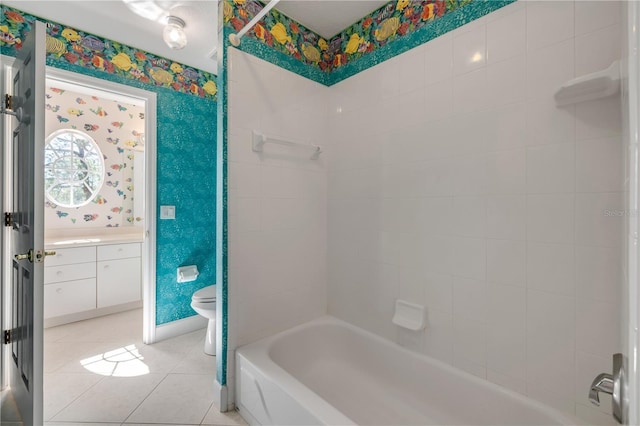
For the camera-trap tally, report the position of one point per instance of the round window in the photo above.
(73, 168)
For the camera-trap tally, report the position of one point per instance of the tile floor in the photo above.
(9, 415)
(98, 372)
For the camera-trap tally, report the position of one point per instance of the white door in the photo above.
(27, 228)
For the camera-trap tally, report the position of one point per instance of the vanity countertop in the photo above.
(52, 242)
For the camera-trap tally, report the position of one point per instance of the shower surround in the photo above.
(460, 185)
(449, 179)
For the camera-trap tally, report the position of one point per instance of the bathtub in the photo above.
(328, 372)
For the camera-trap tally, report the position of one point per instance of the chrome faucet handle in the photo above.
(602, 383)
(615, 385)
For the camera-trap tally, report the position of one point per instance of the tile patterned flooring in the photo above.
(9, 415)
(98, 372)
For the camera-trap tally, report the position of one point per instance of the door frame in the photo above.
(149, 244)
(6, 76)
(630, 312)
(150, 153)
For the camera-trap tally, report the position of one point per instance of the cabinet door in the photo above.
(69, 297)
(118, 281)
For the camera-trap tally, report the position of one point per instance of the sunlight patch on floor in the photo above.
(122, 362)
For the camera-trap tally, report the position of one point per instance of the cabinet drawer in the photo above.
(118, 251)
(55, 274)
(69, 297)
(68, 256)
(118, 282)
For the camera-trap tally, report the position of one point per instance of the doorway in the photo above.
(94, 201)
(128, 179)
(117, 258)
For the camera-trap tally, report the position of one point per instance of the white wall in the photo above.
(457, 183)
(277, 202)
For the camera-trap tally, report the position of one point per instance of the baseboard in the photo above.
(180, 327)
(93, 313)
(220, 396)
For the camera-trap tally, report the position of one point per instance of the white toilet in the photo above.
(203, 302)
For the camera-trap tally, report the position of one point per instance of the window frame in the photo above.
(95, 148)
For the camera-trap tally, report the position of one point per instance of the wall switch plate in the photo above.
(167, 212)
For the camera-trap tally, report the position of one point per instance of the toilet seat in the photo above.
(206, 294)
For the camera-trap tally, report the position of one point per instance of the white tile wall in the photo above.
(474, 194)
(506, 262)
(469, 50)
(506, 37)
(549, 22)
(277, 201)
(506, 331)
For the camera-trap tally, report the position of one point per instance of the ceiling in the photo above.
(113, 20)
(328, 17)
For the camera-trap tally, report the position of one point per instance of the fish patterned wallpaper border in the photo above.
(278, 31)
(115, 126)
(387, 32)
(76, 47)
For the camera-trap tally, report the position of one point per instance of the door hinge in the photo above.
(6, 337)
(8, 101)
(8, 221)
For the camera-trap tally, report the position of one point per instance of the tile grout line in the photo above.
(76, 398)
(145, 398)
(205, 414)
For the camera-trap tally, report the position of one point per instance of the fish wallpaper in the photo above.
(89, 51)
(391, 22)
(115, 127)
(186, 177)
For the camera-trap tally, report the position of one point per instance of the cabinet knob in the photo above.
(58, 290)
(59, 273)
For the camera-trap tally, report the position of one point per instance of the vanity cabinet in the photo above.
(70, 281)
(118, 274)
(87, 279)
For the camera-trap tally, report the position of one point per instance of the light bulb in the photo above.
(173, 33)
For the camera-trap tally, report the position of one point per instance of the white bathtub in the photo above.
(330, 372)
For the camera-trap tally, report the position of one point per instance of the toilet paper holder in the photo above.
(187, 273)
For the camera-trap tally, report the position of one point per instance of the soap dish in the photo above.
(409, 315)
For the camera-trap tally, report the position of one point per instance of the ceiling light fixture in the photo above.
(173, 33)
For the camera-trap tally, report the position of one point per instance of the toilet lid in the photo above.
(206, 294)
